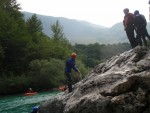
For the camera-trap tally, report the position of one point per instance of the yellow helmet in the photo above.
(73, 55)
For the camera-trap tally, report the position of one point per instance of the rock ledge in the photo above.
(119, 85)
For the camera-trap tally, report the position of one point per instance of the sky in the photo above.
(100, 12)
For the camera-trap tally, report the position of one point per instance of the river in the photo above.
(24, 104)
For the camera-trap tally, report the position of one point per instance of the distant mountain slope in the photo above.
(118, 33)
(84, 32)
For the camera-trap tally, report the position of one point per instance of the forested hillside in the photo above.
(29, 58)
(84, 32)
(93, 54)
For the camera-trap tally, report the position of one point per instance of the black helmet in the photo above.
(136, 12)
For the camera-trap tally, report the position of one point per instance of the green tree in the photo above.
(13, 37)
(1, 57)
(34, 25)
(46, 73)
(94, 54)
(61, 46)
(57, 30)
(11, 7)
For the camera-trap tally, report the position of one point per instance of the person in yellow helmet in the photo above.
(69, 65)
(140, 24)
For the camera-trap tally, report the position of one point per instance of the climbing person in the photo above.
(140, 28)
(69, 65)
(128, 23)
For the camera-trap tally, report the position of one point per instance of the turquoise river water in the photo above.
(23, 104)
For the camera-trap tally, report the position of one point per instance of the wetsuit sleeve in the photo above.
(145, 22)
(75, 68)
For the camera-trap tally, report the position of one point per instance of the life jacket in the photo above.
(128, 20)
(68, 63)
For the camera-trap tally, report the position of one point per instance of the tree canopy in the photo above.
(34, 25)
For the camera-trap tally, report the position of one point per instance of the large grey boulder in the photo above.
(120, 85)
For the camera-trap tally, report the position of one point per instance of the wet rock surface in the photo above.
(119, 85)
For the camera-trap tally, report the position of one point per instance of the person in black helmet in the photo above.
(140, 27)
(136, 12)
(128, 23)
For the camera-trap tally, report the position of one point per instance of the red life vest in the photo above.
(128, 20)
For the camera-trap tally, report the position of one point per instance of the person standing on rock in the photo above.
(128, 23)
(140, 27)
(69, 65)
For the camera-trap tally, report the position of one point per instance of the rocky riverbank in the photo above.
(119, 85)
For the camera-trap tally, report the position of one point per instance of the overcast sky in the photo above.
(101, 12)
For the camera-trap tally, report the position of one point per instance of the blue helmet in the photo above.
(34, 109)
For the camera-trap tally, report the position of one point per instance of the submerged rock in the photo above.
(119, 85)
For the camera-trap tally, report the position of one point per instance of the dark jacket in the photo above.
(70, 64)
(140, 21)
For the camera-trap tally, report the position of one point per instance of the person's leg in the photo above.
(146, 34)
(130, 35)
(139, 37)
(69, 80)
(139, 41)
(143, 35)
(144, 40)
